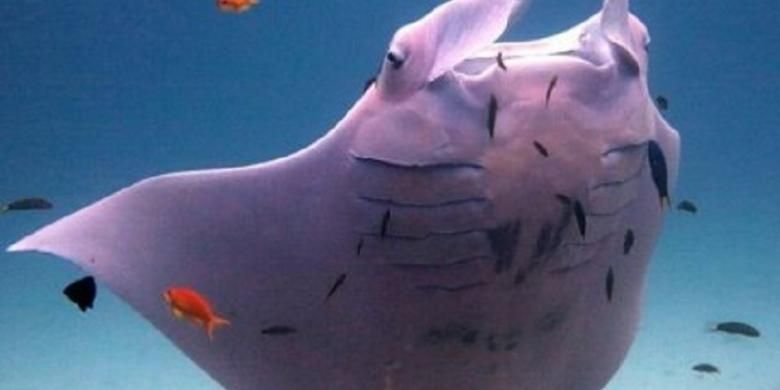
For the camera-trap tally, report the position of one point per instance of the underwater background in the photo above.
(96, 95)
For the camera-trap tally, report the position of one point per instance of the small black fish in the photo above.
(735, 327)
(359, 247)
(550, 87)
(662, 103)
(687, 205)
(82, 292)
(658, 170)
(541, 149)
(579, 213)
(336, 285)
(369, 83)
(565, 200)
(706, 368)
(628, 241)
(491, 120)
(500, 60)
(27, 204)
(610, 283)
(385, 224)
(278, 330)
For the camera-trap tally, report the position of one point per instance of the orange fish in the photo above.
(188, 303)
(236, 6)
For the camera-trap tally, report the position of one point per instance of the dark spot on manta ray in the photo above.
(736, 327)
(385, 224)
(393, 364)
(550, 88)
(552, 320)
(82, 292)
(336, 285)
(563, 221)
(469, 337)
(662, 102)
(27, 204)
(464, 335)
(658, 171)
(359, 248)
(278, 330)
(687, 205)
(503, 242)
(609, 283)
(706, 368)
(491, 343)
(452, 289)
(452, 332)
(434, 337)
(628, 241)
(491, 119)
(520, 276)
(542, 240)
(579, 213)
(541, 149)
(500, 61)
(550, 238)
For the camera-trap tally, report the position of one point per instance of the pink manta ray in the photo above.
(482, 218)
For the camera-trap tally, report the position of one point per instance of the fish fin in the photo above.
(176, 312)
(213, 324)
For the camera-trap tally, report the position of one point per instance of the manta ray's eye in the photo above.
(396, 60)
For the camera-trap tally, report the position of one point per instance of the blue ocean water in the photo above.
(95, 95)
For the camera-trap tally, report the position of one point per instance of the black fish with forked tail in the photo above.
(736, 327)
(26, 204)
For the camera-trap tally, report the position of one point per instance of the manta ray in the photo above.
(482, 218)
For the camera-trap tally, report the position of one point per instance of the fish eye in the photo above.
(395, 60)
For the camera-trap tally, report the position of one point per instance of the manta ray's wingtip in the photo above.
(26, 244)
(18, 246)
(33, 242)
